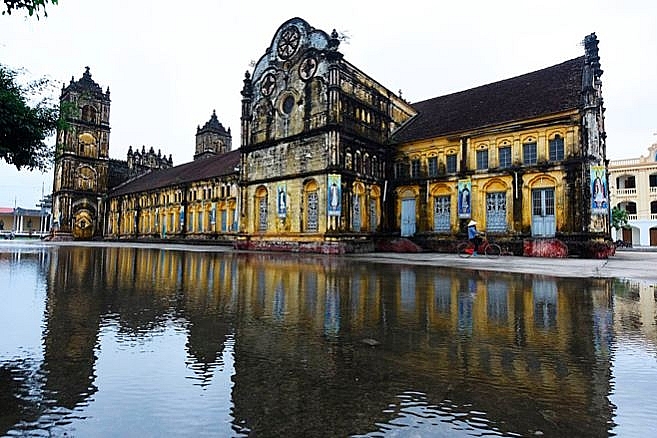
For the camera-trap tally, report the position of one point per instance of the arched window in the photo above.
(87, 145)
(348, 160)
(89, 114)
(261, 200)
(630, 207)
(556, 148)
(652, 180)
(86, 178)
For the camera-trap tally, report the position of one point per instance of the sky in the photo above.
(168, 64)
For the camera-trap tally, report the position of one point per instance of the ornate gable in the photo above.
(289, 82)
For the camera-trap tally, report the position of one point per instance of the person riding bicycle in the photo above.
(474, 235)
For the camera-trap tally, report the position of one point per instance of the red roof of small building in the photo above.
(6, 210)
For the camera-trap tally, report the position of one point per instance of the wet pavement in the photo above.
(627, 264)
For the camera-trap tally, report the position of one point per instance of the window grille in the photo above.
(262, 210)
(496, 212)
(441, 213)
(356, 218)
(313, 212)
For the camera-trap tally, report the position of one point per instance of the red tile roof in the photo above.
(198, 170)
(543, 92)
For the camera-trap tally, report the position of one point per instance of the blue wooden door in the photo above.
(544, 222)
(408, 217)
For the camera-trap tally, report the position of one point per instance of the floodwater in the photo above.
(136, 342)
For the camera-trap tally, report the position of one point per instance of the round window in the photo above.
(288, 104)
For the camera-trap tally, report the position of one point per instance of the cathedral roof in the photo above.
(213, 125)
(85, 83)
(215, 166)
(543, 92)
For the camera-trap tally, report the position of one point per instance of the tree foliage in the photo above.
(25, 125)
(33, 7)
(619, 218)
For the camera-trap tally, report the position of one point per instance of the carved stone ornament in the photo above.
(289, 42)
(268, 85)
(307, 68)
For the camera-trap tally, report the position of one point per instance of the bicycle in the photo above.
(466, 248)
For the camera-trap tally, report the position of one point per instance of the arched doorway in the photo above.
(311, 199)
(358, 192)
(543, 217)
(441, 195)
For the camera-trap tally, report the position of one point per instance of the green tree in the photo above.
(619, 218)
(25, 124)
(33, 7)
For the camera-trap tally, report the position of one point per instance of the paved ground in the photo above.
(630, 264)
(634, 265)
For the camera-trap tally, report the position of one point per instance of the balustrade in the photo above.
(626, 192)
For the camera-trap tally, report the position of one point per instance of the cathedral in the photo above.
(331, 161)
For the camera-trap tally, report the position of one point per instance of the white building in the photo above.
(633, 187)
(24, 222)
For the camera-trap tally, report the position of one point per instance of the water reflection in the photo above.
(128, 341)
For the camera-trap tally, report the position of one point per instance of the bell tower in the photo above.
(81, 160)
(212, 138)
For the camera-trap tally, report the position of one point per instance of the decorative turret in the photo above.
(247, 97)
(593, 132)
(247, 89)
(86, 85)
(212, 138)
(140, 162)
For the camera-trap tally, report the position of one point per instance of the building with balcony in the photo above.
(633, 187)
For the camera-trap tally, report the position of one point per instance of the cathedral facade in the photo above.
(332, 161)
(316, 140)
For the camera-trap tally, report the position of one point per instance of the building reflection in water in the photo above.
(325, 346)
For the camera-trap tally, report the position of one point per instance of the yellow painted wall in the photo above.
(159, 211)
(492, 178)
